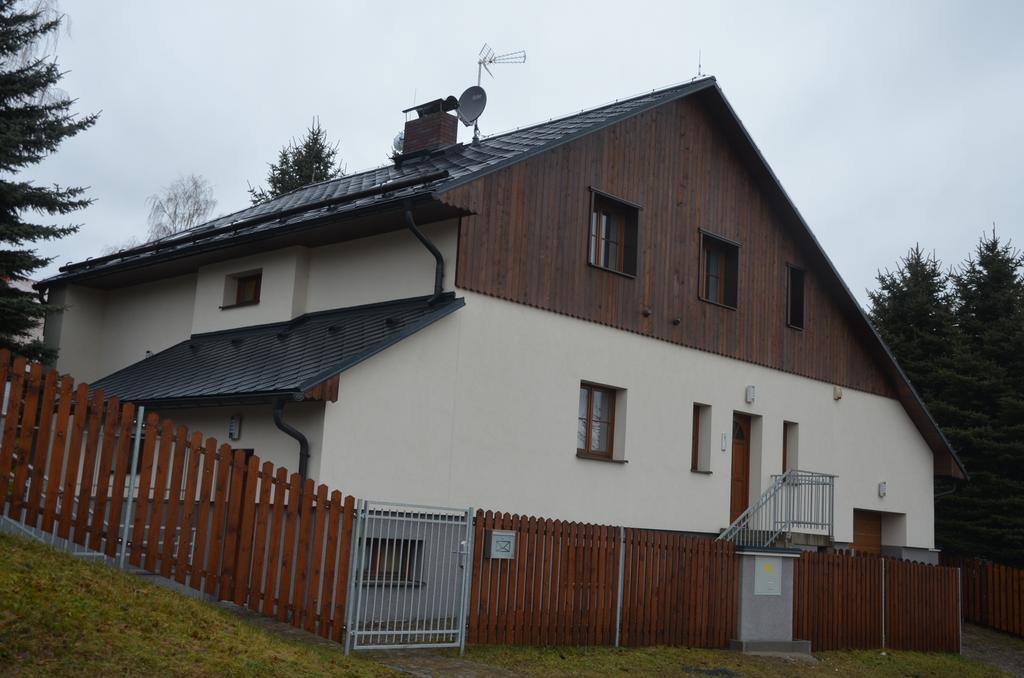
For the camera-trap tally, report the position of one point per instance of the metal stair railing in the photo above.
(796, 500)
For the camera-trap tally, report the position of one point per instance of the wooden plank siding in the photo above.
(527, 242)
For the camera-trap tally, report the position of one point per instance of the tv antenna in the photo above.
(488, 57)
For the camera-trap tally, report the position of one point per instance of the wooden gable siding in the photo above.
(527, 242)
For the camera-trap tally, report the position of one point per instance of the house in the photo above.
(618, 317)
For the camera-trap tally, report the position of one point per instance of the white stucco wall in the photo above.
(258, 431)
(390, 266)
(284, 274)
(99, 332)
(480, 409)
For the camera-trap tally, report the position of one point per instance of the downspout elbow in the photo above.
(432, 248)
(295, 433)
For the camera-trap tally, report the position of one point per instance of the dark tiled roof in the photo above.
(461, 162)
(280, 359)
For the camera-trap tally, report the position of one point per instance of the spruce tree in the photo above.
(960, 339)
(913, 311)
(299, 164)
(984, 416)
(34, 119)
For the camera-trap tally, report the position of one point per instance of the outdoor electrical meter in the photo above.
(500, 544)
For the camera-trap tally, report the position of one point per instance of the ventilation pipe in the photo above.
(432, 248)
(293, 432)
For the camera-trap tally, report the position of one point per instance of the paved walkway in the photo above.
(428, 664)
(994, 648)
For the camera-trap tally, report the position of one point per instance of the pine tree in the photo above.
(299, 164)
(984, 417)
(913, 311)
(960, 339)
(34, 119)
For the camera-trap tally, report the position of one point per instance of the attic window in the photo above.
(613, 234)
(242, 289)
(719, 263)
(795, 301)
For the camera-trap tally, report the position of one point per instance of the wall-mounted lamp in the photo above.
(235, 427)
(882, 489)
(751, 394)
(723, 442)
(837, 393)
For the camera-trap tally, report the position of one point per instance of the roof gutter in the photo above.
(432, 248)
(295, 433)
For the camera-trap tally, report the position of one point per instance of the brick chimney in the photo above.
(432, 128)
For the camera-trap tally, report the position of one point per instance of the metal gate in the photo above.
(409, 577)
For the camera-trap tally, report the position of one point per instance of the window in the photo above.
(242, 289)
(613, 234)
(790, 441)
(700, 452)
(795, 304)
(719, 268)
(392, 561)
(596, 426)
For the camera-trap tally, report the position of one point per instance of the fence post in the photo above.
(960, 608)
(883, 602)
(353, 564)
(140, 415)
(618, 597)
(466, 558)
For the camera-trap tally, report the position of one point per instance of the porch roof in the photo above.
(297, 359)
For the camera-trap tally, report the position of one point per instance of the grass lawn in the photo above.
(662, 661)
(64, 617)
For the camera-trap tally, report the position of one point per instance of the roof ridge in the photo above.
(490, 137)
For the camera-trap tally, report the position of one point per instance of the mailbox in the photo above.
(500, 544)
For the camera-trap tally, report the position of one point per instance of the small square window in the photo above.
(795, 298)
(242, 289)
(613, 234)
(719, 270)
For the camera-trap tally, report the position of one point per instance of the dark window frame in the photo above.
(790, 321)
(409, 563)
(695, 450)
(241, 281)
(730, 267)
(585, 452)
(630, 238)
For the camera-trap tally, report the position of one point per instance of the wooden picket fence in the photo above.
(563, 586)
(992, 594)
(846, 602)
(202, 514)
(217, 521)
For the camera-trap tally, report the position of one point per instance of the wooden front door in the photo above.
(739, 498)
(867, 532)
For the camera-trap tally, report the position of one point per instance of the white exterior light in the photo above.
(235, 427)
(751, 394)
(882, 489)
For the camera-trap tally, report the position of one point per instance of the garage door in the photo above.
(867, 532)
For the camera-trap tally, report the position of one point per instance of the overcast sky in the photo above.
(888, 123)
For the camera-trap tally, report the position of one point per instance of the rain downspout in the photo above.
(293, 432)
(432, 248)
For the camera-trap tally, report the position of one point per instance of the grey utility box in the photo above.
(499, 544)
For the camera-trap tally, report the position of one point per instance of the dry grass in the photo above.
(63, 617)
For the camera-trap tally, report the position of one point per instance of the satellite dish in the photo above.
(471, 104)
(399, 142)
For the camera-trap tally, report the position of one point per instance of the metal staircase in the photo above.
(796, 501)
